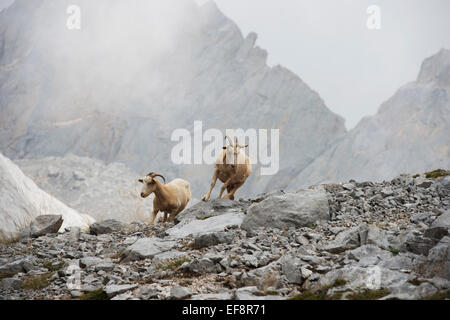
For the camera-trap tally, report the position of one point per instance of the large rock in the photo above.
(215, 207)
(440, 227)
(347, 240)
(437, 263)
(291, 269)
(20, 265)
(179, 293)
(202, 265)
(368, 277)
(147, 248)
(45, 224)
(213, 224)
(212, 239)
(107, 226)
(300, 209)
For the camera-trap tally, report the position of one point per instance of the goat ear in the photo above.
(141, 181)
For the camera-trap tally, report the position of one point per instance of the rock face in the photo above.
(110, 109)
(440, 227)
(105, 191)
(21, 201)
(298, 209)
(409, 134)
(378, 242)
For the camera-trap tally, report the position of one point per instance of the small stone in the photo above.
(179, 293)
(113, 290)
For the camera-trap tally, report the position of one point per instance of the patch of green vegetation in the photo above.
(443, 295)
(416, 175)
(336, 295)
(266, 293)
(53, 265)
(174, 264)
(98, 294)
(322, 293)
(394, 251)
(437, 173)
(309, 295)
(368, 294)
(37, 282)
(339, 283)
(7, 274)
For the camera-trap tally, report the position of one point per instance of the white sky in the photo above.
(327, 43)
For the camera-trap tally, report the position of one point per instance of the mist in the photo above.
(328, 44)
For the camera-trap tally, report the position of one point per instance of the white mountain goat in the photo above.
(170, 198)
(232, 167)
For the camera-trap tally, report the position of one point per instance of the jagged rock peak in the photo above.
(436, 68)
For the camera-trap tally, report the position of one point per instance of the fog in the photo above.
(327, 43)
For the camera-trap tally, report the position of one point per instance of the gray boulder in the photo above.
(90, 261)
(291, 269)
(212, 224)
(437, 263)
(215, 207)
(147, 248)
(202, 265)
(367, 277)
(408, 291)
(347, 240)
(45, 224)
(21, 265)
(179, 293)
(440, 227)
(106, 226)
(418, 244)
(212, 239)
(299, 209)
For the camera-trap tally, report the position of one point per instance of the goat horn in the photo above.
(229, 140)
(158, 175)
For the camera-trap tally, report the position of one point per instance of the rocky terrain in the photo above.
(21, 201)
(355, 240)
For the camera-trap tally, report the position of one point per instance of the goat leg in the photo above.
(225, 185)
(232, 191)
(153, 217)
(213, 183)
